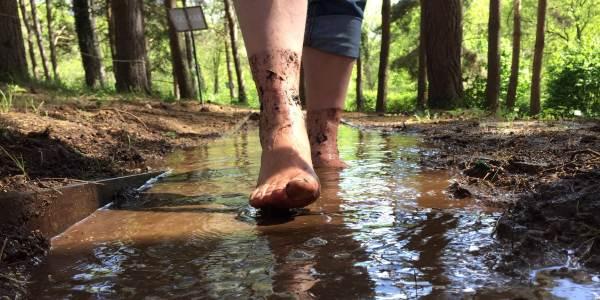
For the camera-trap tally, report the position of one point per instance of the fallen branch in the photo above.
(3, 247)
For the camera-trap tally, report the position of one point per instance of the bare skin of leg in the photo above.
(326, 82)
(273, 32)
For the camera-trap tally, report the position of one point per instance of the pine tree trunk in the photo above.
(242, 98)
(422, 74)
(493, 77)
(511, 96)
(13, 63)
(383, 57)
(30, 42)
(38, 35)
(91, 57)
(538, 57)
(229, 72)
(130, 44)
(111, 36)
(52, 39)
(181, 70)
(216, 69)
(360, 98)
(443, 44)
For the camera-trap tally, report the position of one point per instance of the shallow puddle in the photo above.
(383, 228)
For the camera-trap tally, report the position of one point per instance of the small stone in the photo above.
(299, 255)
(315, 242)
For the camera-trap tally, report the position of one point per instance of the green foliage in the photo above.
(574, 83)
(6, 100)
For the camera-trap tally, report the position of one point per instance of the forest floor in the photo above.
(546, 175)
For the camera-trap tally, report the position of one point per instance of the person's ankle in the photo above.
(322, 127)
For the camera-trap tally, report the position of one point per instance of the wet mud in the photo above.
(385, 227)
(323, 136)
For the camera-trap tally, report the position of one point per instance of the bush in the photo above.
(574, 84)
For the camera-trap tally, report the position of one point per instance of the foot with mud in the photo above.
(287, 179)
(322, 132)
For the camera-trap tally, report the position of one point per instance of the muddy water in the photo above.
(383, 228)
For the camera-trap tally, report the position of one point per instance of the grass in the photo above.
(18, 161)
(6, 99)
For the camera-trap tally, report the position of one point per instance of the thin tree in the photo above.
(242, 98)
(493, 78)
(229, 71)
(91, 56)
(443, 44)
(538, 56)
(513, 83)
(181, 70)
(131, 70)
(383, 57)
(111, 35)
(13, 63)
(38, 35)
(216, 60)
(360, 98)
(51, 39)
(30, 41)
(422, 73)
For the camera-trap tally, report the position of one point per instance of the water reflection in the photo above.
(383, 228)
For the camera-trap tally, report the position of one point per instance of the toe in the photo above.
(302, 192)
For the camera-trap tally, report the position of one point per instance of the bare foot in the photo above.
(287, 178)
(322, 132)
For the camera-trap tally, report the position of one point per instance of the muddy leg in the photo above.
(327, 76)
(273, 31)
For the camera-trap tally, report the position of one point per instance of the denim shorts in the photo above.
(334, 26)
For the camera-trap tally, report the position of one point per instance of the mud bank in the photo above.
(545, 174)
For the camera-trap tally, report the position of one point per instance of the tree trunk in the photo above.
(38, 35)
(511, 96)
(111, 36)
(360, 98)
(181, 70)
(242, 98)
(383, 57)
(52, 39)
(422, 75)
(91, 57)
(30, 42)
(13, 63)
(229, 72)
(443, 44)
(493, 77)
(538, 57)
(216, 68)
(130, 44)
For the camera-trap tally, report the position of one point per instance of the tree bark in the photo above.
(181, 69)
(422, 73)
(242, 98)
(52, 39)
(513, 83)
(383, 57)
(538, 57)
(229, 72)
(443, 44)
(493, 77)
(360, 98)
(111, 36)
(130, 44)
(38, 35)
(91, 56)
(216, 68)
(13, 63)
(30, 42)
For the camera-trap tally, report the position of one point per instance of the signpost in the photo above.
(190, 19)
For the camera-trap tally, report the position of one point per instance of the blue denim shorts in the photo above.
(334, 26)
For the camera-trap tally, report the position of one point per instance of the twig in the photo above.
(13, 279)
(74, 180)
(3, 247)
(134, 116)
(584, 151)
